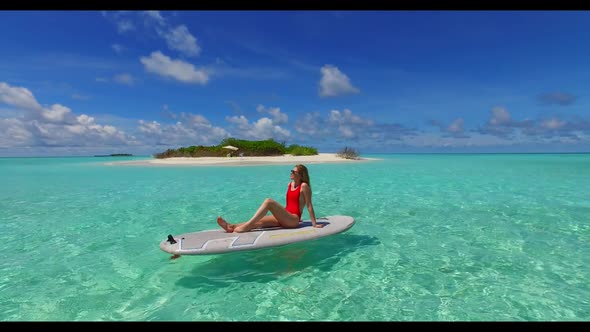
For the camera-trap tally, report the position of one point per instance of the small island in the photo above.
(233, 147)
(238, 152)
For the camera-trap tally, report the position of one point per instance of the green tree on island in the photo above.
(268, 147)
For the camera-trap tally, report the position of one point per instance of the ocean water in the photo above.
(476, 237)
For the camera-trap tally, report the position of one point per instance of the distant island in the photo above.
(114, 155)
(233, 147)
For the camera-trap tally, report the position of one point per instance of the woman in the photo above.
(298, 196)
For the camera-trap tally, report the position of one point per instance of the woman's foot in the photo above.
(225, 225)
(241, 228)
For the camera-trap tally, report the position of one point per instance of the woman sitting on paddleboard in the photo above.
(298, 196)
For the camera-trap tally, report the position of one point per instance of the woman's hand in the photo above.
(318, 225)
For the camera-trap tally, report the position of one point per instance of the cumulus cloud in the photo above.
(312, 125)
(18, 97)
(83, 132)
(155, 16)
(179, 70)
(389, 132)
(553, 124)
(125, 26)
(348, 124)
(337, 123)
(121, 19)
(277, 116)
(180, 39)
(55, 125)
(337, 128)
(14, 133)
(260, 129)
(455, 128)
(177, 38)
(195, 120)
(334, 82)
(56, 113)
(502, 125)
(558, 129)
(190, 129)
(500, 116)
(557, 98)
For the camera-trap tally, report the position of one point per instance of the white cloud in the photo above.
(155, 16)
(85, 119)
(125, 26)
(195, 119)
(437, 140)
(179, 70)
(334, 82)
(456, 126)
(78, 134)
(150, 128)
(18, 97)
(182, 40)
(552, 124)
(124, 78)
(191, 130)
(262, 129)
(338, 124)
(56, 125)
(277, 116)
(240, 121)
(265, 126)
(312, 125)
(56, 113)
(347, 124)
(13, 133)
(117, 48)
(347, 118)
(499, 116)
(177, 38)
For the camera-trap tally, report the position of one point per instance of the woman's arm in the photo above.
(307, 196)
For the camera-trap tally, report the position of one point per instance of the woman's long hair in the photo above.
(304, 174)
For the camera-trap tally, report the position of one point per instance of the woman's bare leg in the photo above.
(283, 217)
(265, 222)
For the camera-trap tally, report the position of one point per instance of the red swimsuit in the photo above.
(293, 200)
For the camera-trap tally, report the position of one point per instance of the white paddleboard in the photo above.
(218, 241)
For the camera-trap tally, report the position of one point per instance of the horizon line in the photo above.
(372, 153)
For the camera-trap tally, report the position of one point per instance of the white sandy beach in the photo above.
(242, 161)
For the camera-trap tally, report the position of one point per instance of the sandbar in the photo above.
(242, 161)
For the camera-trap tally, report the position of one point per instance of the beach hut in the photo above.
(230, 147)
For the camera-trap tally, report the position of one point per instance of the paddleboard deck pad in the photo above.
(218, 241)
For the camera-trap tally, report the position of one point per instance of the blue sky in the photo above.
(92, 82)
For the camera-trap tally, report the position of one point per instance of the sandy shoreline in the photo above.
(241, 161)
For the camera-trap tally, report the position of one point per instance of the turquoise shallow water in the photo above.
(437, 238)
